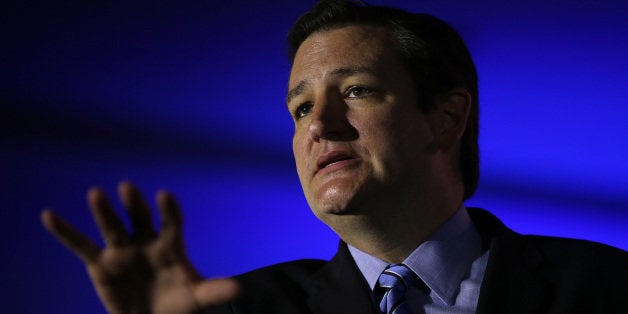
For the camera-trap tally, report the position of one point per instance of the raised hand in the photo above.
(143, 271)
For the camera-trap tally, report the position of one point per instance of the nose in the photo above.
(329, 119)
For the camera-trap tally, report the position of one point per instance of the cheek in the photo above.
(377, 131)
(392, 138)
(299, 153)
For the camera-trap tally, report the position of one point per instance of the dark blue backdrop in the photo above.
(190, 96)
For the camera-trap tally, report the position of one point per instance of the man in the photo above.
(385, 108)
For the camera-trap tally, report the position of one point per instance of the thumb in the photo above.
(216, 291)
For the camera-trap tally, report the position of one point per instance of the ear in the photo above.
(449, 117)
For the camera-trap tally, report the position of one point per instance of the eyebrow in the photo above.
(298, 90)
(339, 72)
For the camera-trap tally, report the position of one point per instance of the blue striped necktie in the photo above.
(393, 284)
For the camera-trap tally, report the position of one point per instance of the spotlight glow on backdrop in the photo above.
(189, 96)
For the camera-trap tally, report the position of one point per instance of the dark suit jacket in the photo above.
(524, 274)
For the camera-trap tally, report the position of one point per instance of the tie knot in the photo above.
(394, 282)
(397, 276)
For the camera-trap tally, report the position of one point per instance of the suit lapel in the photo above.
(513, 281)
(340, 287)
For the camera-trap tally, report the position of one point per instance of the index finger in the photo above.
(84, 248)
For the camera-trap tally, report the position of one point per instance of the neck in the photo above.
(392, 238)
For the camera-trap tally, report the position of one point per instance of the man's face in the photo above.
(360, 142)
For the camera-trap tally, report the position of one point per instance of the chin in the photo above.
(339, 200)
(338, 210)
(335, 207)
(322, 210)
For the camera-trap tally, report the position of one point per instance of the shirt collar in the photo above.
(442, 261)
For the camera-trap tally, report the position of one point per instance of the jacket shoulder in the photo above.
(288, 272)
(582, 256)
(544, 274)
(564, 254)
(280, 288)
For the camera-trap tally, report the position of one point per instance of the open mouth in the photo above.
(336, 160)
(330, 158)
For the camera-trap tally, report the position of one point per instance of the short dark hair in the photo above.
(432, 51)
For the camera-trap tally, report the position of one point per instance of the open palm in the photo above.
(143, 271)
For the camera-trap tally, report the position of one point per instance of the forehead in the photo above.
(354, 46)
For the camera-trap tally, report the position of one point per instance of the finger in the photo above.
(74, 240)
(139, 212)
(171, 219)
(216, 291)
(109, 224)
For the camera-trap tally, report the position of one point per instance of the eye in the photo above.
(303, 110)
(358, 91)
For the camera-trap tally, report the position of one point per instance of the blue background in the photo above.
(190, 97)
